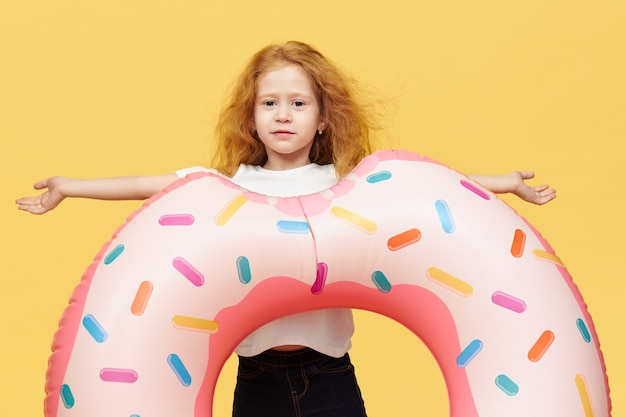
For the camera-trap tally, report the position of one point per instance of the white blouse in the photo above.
(327, 331)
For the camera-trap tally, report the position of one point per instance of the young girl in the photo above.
(292, 126)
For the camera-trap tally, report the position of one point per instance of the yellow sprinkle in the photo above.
(195, 324)
(362, 223)
(581, 384)
(450, 282)
(542, 254)
(230, 209)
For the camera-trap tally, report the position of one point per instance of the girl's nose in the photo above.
(283, 113)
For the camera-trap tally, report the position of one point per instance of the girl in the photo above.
(292, 126)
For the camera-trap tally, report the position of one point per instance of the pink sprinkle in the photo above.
(189, 272)
(508, 301)
(176, 220)
(118, 375)
(475, 189)
(320, 279)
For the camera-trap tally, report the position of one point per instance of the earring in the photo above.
(319, 132)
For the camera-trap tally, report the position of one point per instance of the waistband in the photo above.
(287, 358)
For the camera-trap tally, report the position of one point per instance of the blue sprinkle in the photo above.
(584, 332)
(469, 353)
(445, 217)
(94, 328)
(243, 269)
(179, 369)
(117, 251)
(381, 281)
(290, 226)
(507, 386)
(66, 396)
(378, 177)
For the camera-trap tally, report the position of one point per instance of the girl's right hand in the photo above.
(46, 201)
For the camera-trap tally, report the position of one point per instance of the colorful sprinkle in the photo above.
(541, 346)
(176, 220)
(508, 301)
(94, 328)
(469, 353)
(243, 270)
(117, 251)
(381, 281)
(450, 282)
(320, 278)
(445, 217)
(519, 240)
(141, 298)
(475, 189)
(507, 385)
(292, 226)
(542, 254)
(361, 223)
(66, 396)
(583, 392)
(378, 177)
(584, 332)
(230, 209)
(118, 375)
(188, 271)
(404, 239)
(195, 324)
(179, 369)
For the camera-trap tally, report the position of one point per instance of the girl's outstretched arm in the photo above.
(515, 183)
(116, 188)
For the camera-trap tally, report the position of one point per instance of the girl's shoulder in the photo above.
(182, 173)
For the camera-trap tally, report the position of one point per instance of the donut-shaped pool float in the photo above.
(201, 265)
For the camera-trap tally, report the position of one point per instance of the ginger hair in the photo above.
(347, 136)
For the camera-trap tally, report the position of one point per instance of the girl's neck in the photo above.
(283, 164)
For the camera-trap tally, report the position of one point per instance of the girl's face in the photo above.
(286, 117)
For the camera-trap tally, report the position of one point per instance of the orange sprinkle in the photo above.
(519, 239)
(404, 239)
(141, 298)
(541, 346)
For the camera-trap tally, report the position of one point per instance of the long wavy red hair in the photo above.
(347, 137)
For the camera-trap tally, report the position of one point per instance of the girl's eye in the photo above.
(298, 103)
(269, 103)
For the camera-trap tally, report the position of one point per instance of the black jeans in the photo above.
(301, 383)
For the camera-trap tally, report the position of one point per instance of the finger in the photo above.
(26, 200)
(550, 191)
(41, 184)
(32, 209)
(546, 198)
(527, 175)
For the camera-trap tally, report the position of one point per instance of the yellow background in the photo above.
(132, 87)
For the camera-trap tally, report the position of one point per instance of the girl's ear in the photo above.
(322, 125)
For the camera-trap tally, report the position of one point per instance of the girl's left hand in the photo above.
(540, 194)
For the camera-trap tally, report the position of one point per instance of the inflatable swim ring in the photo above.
(204, 263)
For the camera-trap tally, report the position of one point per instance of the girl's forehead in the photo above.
(285, 75)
